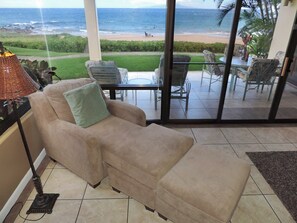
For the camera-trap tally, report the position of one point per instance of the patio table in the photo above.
(236, 62)
(139, 82)
(132, 84)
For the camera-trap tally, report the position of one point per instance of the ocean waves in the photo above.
(112, 21)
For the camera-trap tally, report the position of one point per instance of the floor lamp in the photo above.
(15, 83)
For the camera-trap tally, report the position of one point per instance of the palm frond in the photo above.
(224, 11)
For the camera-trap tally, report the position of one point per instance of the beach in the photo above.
(192, 25)
(202, 38)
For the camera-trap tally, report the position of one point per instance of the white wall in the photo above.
(283, 28)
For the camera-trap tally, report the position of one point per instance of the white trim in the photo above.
(17, 192)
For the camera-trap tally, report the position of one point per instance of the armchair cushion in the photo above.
(54, 95)
(86, 104)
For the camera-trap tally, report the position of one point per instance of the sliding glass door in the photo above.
(256, 64)
(195, 86)
(232, 72)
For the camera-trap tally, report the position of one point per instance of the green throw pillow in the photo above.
(86, 104)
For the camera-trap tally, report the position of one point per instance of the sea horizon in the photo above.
(113, 21)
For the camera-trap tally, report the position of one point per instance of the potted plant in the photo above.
(40, 71)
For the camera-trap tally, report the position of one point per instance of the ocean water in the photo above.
(112, 21)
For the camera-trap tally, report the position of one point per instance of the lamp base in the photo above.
(43, 203)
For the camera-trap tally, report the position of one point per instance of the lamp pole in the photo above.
(43, 203)
(16, 83)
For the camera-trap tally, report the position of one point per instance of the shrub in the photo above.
(69, 43)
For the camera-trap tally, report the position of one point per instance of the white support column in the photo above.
(283, 28)
(92, 30)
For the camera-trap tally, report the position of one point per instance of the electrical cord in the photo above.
(19, 214)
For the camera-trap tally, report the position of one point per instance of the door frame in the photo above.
(289, 56)
(168, 58)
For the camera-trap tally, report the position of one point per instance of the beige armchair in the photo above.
(157, 166)
(69, 144)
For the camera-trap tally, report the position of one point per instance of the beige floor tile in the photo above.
(239, 135)
(138, 214)
(290, 133)
(63, 211)
(177, 113)
(103, 211)
(104, 190)
(51, 164)
(269, 135)
(209, 136)
(152, 114)
(254, 209)
(226, 148)
(59, 166)
(260, 181)
(279, 209)
(197, 113)
(241, 149)
(186, 131)
(67, 184)
(280, 147)
(251, 188)
(45, 175)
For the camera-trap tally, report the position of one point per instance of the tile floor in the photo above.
(78, 202)
(203, 104)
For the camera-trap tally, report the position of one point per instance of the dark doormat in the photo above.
(280, 171)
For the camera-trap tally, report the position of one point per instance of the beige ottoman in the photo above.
(136, 164)
(204, 186)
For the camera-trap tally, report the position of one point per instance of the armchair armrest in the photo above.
(126, 111)
(75, 148)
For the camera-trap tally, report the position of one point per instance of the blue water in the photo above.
(113, 21)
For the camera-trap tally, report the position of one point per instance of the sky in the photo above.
(103, 3)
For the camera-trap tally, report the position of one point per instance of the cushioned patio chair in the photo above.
(180, 85)
(214, 70)
(280, 56)
(237, 52)
(261, 72)
(106, 72)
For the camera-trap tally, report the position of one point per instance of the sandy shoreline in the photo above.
(203, 38)
(195, 37)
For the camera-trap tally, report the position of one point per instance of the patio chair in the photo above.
(261, 72)
(237, 52)
(106, 72)
(214, 70)
(180, 85)
(280, 56)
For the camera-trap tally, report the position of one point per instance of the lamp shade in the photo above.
(14, 80)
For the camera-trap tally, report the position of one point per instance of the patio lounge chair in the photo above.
(261, 72)
(214, 70)
(106, 72)
(180, 85)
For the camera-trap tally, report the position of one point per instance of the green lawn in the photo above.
(68, 68)
(36, 53)
(75, 67)
(71, 67)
